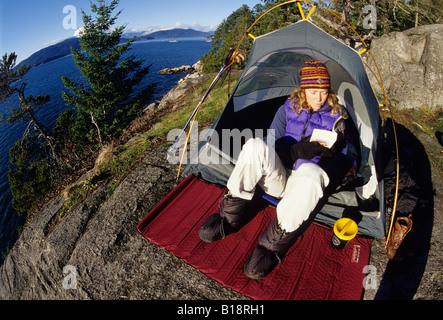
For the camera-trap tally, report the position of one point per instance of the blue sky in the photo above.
(26, 26)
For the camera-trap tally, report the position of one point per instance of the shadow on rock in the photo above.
(405, 270)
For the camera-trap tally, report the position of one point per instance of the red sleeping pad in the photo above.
(312, 269)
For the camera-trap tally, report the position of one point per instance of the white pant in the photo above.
(299, 190)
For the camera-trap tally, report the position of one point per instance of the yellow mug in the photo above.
(345, 230)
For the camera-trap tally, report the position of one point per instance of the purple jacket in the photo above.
(298, 126)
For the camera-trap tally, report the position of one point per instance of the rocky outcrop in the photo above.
(97, 253)
(173, 96)
(193, 77)
(182, 69)
(196, 67)
(411, 66)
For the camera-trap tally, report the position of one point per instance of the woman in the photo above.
(295, 170)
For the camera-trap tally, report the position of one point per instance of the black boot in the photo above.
(233, 214)
(273, 245)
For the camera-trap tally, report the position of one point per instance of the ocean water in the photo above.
(46, 80)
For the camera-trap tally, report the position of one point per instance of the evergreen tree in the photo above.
(11, 84)
(227, 36)
(392, 15)
(30, 174)
(33, 158)
(107, 102)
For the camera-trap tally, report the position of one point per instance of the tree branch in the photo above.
(98, 130)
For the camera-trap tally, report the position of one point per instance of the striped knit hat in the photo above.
(314, 75)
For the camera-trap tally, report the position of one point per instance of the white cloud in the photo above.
(78, 31)
(195, 26)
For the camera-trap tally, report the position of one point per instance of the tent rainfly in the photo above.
(271, 73)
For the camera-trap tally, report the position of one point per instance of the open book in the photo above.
(326, 136)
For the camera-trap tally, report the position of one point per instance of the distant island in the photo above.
(63, 48)
(174, 34)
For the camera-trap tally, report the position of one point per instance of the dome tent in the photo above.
(271, 73)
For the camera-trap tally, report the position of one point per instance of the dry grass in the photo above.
(105, 155)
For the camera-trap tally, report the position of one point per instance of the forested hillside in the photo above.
(388, 16)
